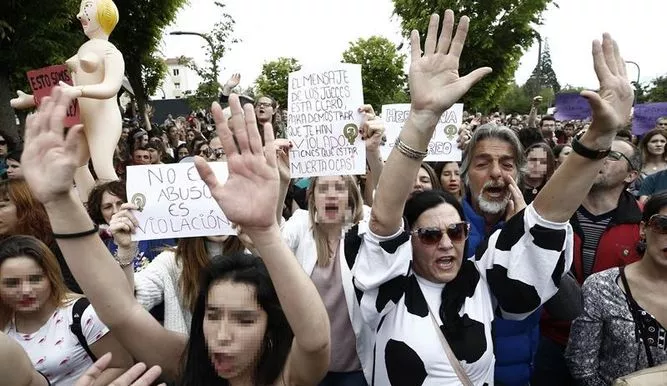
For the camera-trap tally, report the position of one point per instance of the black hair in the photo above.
(654, 205)
(15, 154)
(248, 269)
(94, 206)
(547, 118)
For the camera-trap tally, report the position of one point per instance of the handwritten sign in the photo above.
(43, 80)
(443, 144)
(175, 202)
(645, 116)
(323, 121)
(571, 106)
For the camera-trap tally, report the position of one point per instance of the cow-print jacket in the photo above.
(516, 271)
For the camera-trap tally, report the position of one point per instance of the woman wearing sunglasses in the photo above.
(623, 326)
(431, 309)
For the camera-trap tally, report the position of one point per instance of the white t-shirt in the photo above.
(55, 351)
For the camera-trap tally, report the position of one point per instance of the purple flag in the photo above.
(571, 106)
(645, 116)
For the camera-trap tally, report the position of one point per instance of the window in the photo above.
(177, 86)
(176, 72)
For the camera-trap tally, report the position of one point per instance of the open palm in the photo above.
(435, 84)
(248, 197)
(49, 158)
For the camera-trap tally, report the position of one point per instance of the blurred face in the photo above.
(190, 136)
(183, 152)
(155, 155)
(331, 200)
(204, 151)
(3, 146)
(110, 205)
(14, 169)
(173, 133)
(563, 154)
(422, 182)
(24, 287)
(8, 216)
(491, 160)
(141, 157)
(655, 232)
(615, 173)
(264, 110)
(88, 17)
(450, 179)
(124, 134)
(537, 163)
(656, 145)
(217, 153)
(440, 261)
(662, 124)
(234, 327)
(548, 128)
(569, 131)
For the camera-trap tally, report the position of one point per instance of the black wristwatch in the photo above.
(583, 151)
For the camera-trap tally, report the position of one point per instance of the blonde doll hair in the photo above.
(107, 15)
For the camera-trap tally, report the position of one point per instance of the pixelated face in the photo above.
(234, 327)
(24, 286)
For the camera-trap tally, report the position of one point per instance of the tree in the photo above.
(138, 36)
(657, 90)
(30, 40)
(381, 70)
(273, 81)
(219, 40)
(543, 75)
(500, 31)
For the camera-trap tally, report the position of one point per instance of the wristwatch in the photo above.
(583, 151)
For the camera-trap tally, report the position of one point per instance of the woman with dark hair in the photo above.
(181, 152)
(430, 307)
(623, 327)
(235, 339)
(561, 152)
(652, 147)
(450, 178)
(37, 310)
(540, 167)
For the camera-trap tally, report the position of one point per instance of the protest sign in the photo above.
(645, 116)
(571, 106)
(175, 202)
(443, 143)
(323, 121)
(43, 80)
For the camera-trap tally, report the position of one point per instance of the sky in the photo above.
(316, 32)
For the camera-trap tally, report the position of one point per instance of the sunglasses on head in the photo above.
(617, 155)
(456, 232)
(658, 223)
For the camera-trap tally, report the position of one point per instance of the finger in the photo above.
(620, 62)
(31, 128)
(415, 48)
(129, 206)
(472, 78)
(130, 375)
(599, 64)
(56, 123)
(367, 109)
(238, 123)
(223, 131)
(431, 35)
(609, 55)
(510, 209)
(149, 377)
(446, 33)
(460, 38)
(594, 100)
(94, 371)
(43, 112)
(254, 140)
(206, 173)
(269, 145)
(73, 139)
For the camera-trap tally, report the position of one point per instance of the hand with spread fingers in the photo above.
(135, 376)
(435, 84)
(612, 104)
(49, 158)
(253, 172)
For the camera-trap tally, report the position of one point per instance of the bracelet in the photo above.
(124, 261)
(93, 231)
(408, 151)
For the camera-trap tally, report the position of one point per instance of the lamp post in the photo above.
(638, 73)
(214, 62)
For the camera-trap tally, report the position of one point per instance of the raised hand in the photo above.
(435, 84)
(516, 203)
(132, 377)
(49, 157)
(232, 82)
(372, 130)
(248, 197)
(282, 154)
(612, 104)
(122, 225)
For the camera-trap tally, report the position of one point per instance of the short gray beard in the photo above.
(492, 207)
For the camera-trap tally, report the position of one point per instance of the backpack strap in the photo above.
(77, 312)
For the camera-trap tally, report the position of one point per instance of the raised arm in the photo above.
(532, 115)
(611, 107)
(253, 177)
(435, 86)
(15, 366)
(372, 132)
(50, 161)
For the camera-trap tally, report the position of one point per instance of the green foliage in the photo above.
(543, 75)
(500, 31)
(381, 70)
(656, 91)
(518, 100)
(218, 41)
(273, 81)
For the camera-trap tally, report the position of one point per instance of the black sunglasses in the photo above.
(658, 224)
(617, 155)
(456, 232)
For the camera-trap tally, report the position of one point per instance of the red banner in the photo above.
(43, 80)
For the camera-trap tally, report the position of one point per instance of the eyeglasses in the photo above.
(617, 155)
(457, 232)
(263, 104)
(658, 224)
(218, 153)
